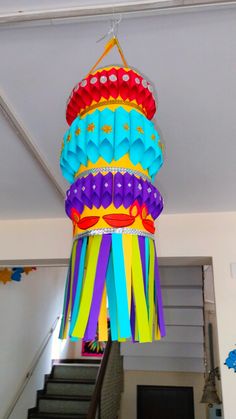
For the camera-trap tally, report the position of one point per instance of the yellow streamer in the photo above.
(90, 240)
(73, 254)
(139, 294)
(102, 320)
(157, 334)
(121, 339)
(87, 292)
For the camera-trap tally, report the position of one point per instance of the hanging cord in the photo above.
(111, 43)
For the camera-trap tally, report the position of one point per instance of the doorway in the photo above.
(164, 402)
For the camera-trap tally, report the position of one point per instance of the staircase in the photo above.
(182, 350)
(67, 391)
(82, 389)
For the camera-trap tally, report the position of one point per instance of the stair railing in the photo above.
(109, 384)
(31, 369)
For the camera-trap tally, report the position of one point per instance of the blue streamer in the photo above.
(147, 266)
(64, 304)
(120, 285)
(111, 294)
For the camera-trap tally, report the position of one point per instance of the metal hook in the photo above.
(115, 24)
(113, 29)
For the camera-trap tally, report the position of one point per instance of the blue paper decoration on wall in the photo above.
(14, 274)
(231, 360)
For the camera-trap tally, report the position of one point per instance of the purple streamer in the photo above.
(132, 318)
(141, 240)
(99, 284)
(68, 289)
(63, 320)
(159, 304)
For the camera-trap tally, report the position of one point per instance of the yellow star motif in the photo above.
(161, 145)
(153, 137)
(139, 129)
(68, 138)
(5, 275)
(107, 129)
(91, 127)
(78, 131)
(126, 127)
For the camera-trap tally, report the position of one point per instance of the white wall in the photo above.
(27, 311)
(210, 317)
(185, 236)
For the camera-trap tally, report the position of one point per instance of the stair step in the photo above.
(72, 388)
(55, 416)
(71, 381)
(35, 414)
(75, 371)
(63, 404)
(42, 395)
(83, 360)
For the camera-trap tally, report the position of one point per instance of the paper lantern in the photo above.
(110, 155)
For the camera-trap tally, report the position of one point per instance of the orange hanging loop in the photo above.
(121, 52)
(109, 45)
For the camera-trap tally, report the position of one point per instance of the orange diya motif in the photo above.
(136, 216)
(125, 220)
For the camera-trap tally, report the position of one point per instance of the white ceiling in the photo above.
(191, 59)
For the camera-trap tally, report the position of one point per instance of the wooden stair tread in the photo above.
(45, 396)
(71, 381)
(77, 361)
(76, 364)
(35, 414)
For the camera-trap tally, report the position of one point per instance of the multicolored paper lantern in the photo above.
(110, 155)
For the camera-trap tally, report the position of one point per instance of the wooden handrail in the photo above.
(99, 381)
